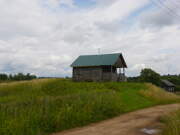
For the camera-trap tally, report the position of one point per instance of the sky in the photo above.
(44, 37)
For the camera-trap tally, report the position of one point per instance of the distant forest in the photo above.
(16, 77)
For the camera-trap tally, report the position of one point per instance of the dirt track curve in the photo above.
(128, 124)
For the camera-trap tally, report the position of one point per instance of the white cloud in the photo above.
(36, 39)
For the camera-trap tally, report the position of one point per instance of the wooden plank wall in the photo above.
(93, 74)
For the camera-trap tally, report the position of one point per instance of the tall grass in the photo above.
(44, 106)
(172, 123)
(159, 95)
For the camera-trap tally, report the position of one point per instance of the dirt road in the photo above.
(127, 124)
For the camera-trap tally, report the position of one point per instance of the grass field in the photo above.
(172, 123)
(43, 106)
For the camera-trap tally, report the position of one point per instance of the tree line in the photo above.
(149, 75)
(16, 77)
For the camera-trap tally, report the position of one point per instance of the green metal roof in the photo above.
(96, 60)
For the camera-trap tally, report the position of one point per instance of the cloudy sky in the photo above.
(45, 36)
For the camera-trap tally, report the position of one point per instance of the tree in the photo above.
(10, 77)
(17, 77)
(3, 77)
(27, 76)
(148, 75)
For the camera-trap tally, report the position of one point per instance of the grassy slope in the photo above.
(44, 106)
(172, 123)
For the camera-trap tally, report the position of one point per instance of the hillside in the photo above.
(141, 122)
(49, 105)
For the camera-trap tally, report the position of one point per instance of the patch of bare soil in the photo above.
(134, 123)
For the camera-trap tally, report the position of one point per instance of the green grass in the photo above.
(172, 123)
(41, 107)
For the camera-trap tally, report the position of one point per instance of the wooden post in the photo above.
(123, 74)
(111, 73)
(102, 73)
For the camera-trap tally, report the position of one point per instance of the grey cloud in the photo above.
(157, 20)
(165, 14)
(160, 58)
(77, 35)
(109, 26)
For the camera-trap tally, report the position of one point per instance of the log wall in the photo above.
(87, 74)
(94, 74)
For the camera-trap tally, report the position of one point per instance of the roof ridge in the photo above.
(100, 54)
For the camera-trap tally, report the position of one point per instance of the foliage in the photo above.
(3, 77)
(16, 77)
(133, 79)
(43, 106)
(172, 123)
(177, 88)
(172, 78)
(148, 75)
